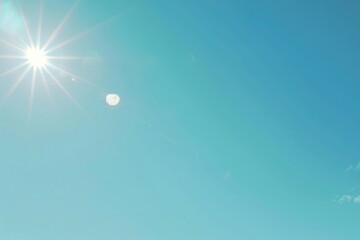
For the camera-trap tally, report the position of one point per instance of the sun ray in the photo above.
(23, 44)
(11, 57)
(26, 25)
(62, 71)
(16, 84)
(61, 25)
(66, 92)
(18, 43)
(32, 91)
(13, 69)
(72, 58)
(11, 45)
(69, 73)
(39, 30)
(82, 34)
(42, 76)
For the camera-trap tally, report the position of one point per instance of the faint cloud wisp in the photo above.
(348, 199)
(353, 167)
(358, 166)
(349, 168)
(357, 200)
(344, 199)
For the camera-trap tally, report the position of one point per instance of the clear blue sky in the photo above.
(238, 120)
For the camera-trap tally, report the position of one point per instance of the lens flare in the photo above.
(112, 99)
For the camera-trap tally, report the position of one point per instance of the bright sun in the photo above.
(36, 57)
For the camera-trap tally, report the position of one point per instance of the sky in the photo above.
(237, 120)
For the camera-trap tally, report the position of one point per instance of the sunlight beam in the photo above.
(13, 70)
(11, 45)
(65, 91)
(32, 92)
(69, 73)
(26, 25)
(73, 58)
(80, 35)
(47, 89)
(15, 85)
(60, 26)
(40, 23)
(11, 57)
(63, 71)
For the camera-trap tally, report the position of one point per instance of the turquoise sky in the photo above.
(237, 120)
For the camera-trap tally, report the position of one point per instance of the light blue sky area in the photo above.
(237, 120)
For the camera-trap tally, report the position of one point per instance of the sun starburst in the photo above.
(37, 57)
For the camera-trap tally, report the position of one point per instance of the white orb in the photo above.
(112, 99)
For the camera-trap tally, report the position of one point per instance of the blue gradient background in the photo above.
(237, 121)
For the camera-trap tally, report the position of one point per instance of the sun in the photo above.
(36, 57)
(39, 63)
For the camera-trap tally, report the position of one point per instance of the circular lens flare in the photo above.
(112, 99)
(36, 57)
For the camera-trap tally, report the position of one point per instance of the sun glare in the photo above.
(36, 57)
(39, 59)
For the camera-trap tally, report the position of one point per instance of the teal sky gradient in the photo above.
(238, 120)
